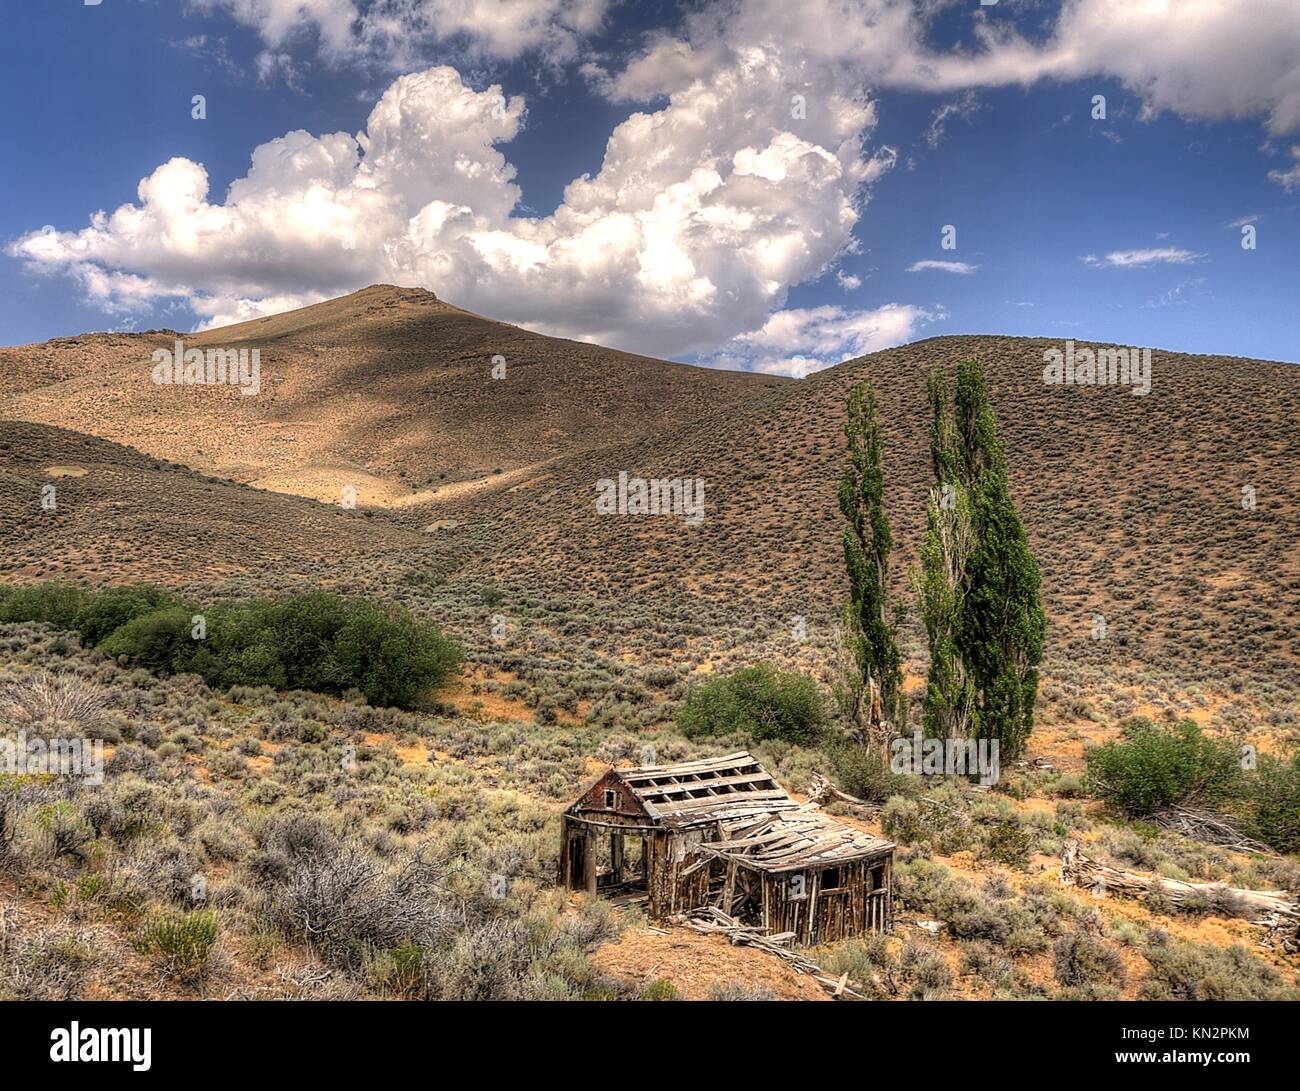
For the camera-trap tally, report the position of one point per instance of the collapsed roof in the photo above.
(758, 823)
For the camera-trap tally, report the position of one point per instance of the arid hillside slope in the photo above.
(388, 390)
(1168, 522)
(1175, 516)
(86, 357)
(78, 507)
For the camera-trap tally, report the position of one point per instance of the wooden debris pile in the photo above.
(713, 922)
(1211, 828)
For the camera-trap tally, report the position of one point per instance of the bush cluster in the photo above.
(314, 641)
(1158, 765)
(758, 702)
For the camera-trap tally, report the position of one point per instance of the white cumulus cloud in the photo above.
(395, 32)
(800, 341)
(1206, 59)
(702, 215)
(742, 174)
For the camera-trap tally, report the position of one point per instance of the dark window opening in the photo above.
(611, 798)
(831, 879)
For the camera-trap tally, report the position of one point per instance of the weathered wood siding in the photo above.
(679, 872)
(859, 902)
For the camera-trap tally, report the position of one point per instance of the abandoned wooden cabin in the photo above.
(722, 832)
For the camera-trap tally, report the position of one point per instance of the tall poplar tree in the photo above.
(869, 627)
(949, 707)
(980, 582)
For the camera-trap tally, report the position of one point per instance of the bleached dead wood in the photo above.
(821, 790)
(1213, 829)
(1275, 910)
(711, 921)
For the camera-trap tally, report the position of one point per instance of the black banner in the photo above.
(338, 1039)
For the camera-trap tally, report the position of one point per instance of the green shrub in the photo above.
(1008, 843)
(184, 939)
(1187, 971)
(1157, 765)
(662, 989)
(54, 602)
(283, 643)
(104, 611)
(1081, 961)
(1271, 803)
(864, 773)
(399, 969)
(928, 969)
(900, 818)
(931, 887)
(391, 657)
(315, 641)
(758, 702)
(159, 640)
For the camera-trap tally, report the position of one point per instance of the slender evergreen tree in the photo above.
(980, 582)
(869, 627)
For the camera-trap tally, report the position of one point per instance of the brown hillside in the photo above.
(30, 367)
(120, 515)
(1133, 504)
(388, 390)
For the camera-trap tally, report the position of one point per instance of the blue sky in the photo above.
(717, 222)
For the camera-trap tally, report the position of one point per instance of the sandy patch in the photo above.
(696, 963)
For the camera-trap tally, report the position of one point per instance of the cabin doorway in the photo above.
(623, 868)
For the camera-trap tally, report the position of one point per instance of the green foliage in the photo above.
(1009, 843)
(759, 702)
(979, 585)
(1270, 806)
(870, 630)
(54, 602)
(390, 656)
(930, 887)
(949, 706)
(1082, 961)
(159, 640)
(1186, 971)
(1157, 765)
(314, 641)
(110, 609)
(863, 773)
(1002, 634)
(59, 895)
(662, 989)
(184, 939)
(399, 969)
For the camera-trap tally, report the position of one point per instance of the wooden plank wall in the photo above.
(679, 876)
(824, 916)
